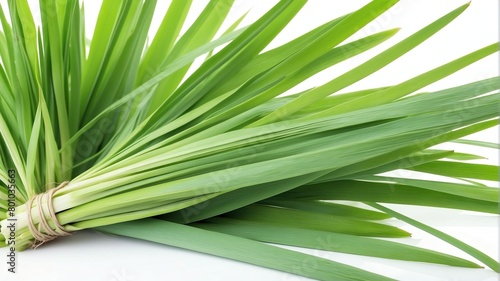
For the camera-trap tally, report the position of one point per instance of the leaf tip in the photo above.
(396, 30)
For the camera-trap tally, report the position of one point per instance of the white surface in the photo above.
(92, 256)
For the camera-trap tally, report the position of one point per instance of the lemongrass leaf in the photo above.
(106, 23)
(198, 34)
(460, 156)
(328, 208)
(457, 169)
(478, 143)
(313, 220)
(249, 251)
(488, 261)
(329, 241)
(485, 194)
(363, 70)
(164, 39)
(164, 72)
(388, 193)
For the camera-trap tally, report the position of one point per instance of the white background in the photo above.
(88, 255)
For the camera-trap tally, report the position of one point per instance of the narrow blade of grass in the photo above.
(240, 249)
(482, 257)
(328, 241)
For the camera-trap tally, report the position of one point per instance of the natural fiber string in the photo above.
(44, 233)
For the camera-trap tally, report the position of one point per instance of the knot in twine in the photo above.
(44, 233)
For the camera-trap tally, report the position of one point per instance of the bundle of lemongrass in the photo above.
(110, 134)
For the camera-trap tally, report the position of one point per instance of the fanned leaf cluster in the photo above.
(218, 160)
